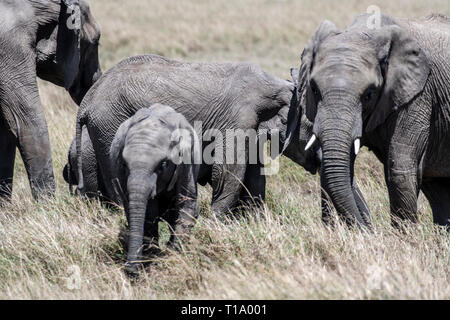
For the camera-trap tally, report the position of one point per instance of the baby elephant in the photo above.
(154, 161)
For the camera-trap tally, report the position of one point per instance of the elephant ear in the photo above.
(68, 40)
(187, 153)
(117, 146)
(405, 68)
(301, 77)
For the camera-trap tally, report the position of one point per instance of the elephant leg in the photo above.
(438, 194)
(227, 184)
(404, 161)
(7, 157)
(184, 212)
(173, 217)
(181, 224)
(181, 221)
(403, 186)
(254, 191)
(34, 147)
(151, 236)
(22, 111)
(403, 194)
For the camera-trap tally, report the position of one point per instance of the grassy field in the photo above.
(66, 248)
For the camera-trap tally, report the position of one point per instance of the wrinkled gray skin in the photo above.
(154, 173)
(391, 88)
(221, 95)
(94, 186)
(35, 41)
(93, 183)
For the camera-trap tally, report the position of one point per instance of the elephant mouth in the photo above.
(312, 166)
(314, 161)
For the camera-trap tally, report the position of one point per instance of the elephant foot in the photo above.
(132, 269)
(42, 190)
(180, 237)
(151, 250)
(5, 190)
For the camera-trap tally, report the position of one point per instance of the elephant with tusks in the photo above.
(386, 88)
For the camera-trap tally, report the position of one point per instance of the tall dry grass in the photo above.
(66, 248)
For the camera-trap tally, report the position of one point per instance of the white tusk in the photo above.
(311, 142)
(357, 146)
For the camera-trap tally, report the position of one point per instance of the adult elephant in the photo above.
(58, 42)
(387, 88)
(222, 96)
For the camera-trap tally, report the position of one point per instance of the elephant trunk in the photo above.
(140, 188)
(340, 144)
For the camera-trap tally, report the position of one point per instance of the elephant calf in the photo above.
(153, 161)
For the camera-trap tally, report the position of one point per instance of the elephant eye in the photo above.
(314, 89)
(368, 96)
(161, 167)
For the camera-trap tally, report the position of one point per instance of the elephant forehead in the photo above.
(148, 159)
(149, 134)
(342, 65)
(341, 76)
(350, 47)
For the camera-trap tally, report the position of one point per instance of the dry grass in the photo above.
(282, 252)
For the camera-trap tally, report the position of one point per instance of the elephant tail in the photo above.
(78, 139)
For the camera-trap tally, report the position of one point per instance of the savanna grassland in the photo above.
(66, 248)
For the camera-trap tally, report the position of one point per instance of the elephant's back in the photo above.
(193, 89)
(213, 93)
(154, 63)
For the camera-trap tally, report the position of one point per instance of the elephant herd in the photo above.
(145, 127)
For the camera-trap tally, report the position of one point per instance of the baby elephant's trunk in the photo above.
(140, 186)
